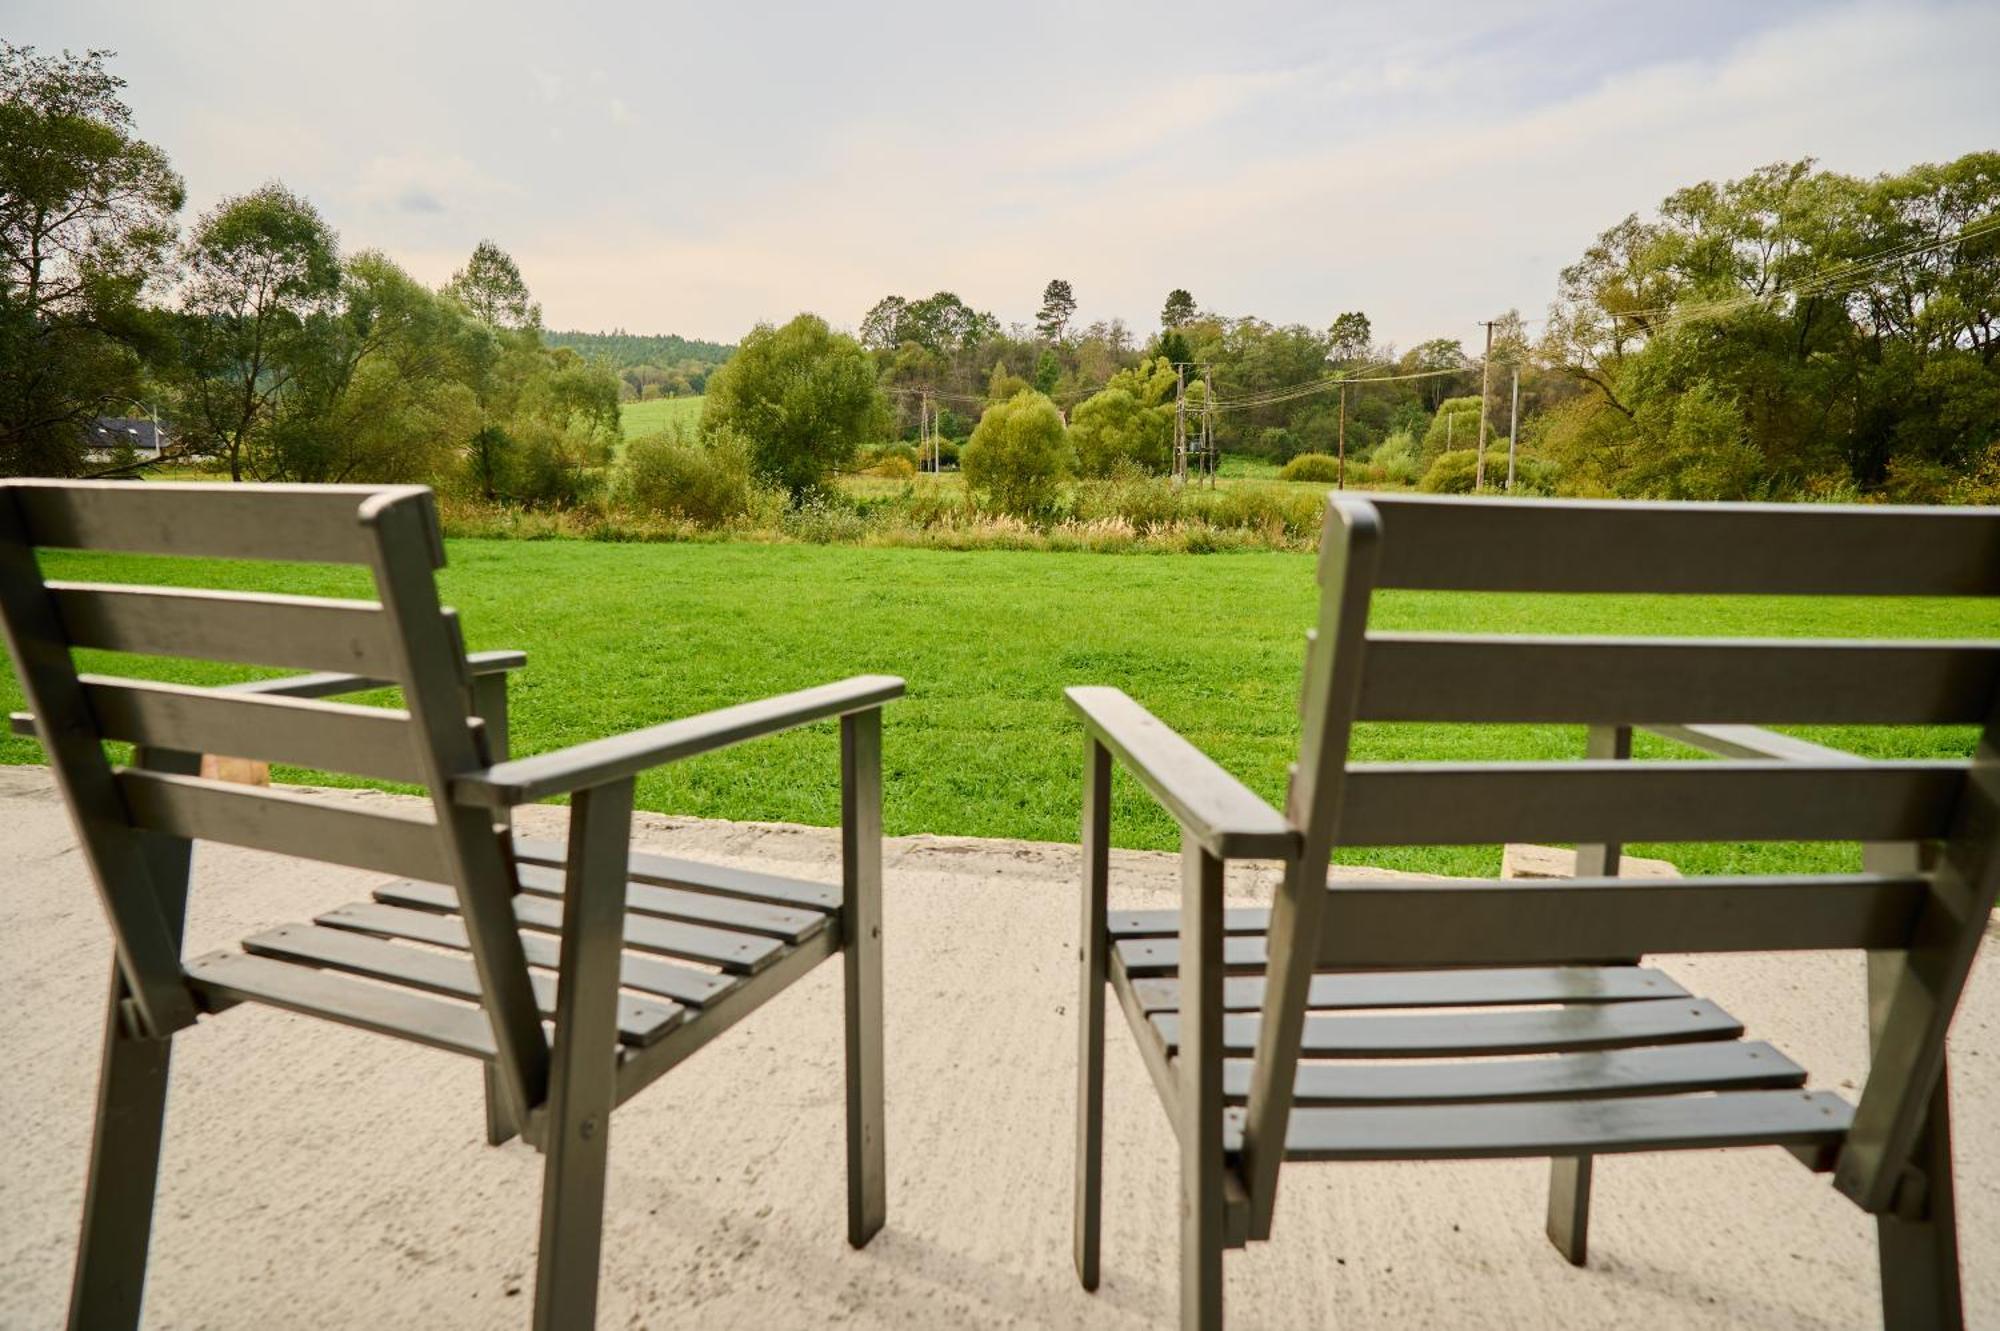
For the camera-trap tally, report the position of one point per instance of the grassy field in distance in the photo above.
(641, 418)
(984, 744)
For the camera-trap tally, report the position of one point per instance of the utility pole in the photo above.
(1180, 424)
(1341, 482)
(1514, 429)
(1207, 418)
(1485, 369)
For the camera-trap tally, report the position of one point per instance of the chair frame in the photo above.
(137, 826)
(1894, 1161)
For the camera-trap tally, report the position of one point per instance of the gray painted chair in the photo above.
(1253, 1022)
(484, 936)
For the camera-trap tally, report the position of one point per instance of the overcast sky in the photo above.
(668, 167)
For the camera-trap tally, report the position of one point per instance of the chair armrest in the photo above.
(524, 780)
(325, 684)
(1222, 813)
(1752, 742)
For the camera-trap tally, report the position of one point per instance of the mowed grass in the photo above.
(644, 418)
(620, 636)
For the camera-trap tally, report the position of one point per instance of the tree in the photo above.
(1019, 455)
(1048, 371)
(86, 222)
(1130, 422)
(1793, 331)
(490, 286)
(1178, 310)
(1350, 339)
(262, 268)
(1435, 357)
(1058, 305)
(380, 389)
(803, 395)
(882, 326)
(1003, 384)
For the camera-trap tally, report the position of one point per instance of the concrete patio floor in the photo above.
(319, 1176)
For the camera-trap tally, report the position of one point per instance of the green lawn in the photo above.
(641, 418)
(625, 635)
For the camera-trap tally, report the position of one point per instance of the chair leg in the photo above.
(1202, 1202)
(1092, 954)
(499, 1123)
(861, 913)
(110, 1278)
(583, 1068)
(1919, 1256)
(1569, 1206)
(109, 1283)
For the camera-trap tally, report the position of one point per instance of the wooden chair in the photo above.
(1244, 1017)
(485, 937)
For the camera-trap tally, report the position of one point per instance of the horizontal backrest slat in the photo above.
(292, 632)
(330, 736)
(1556, 545)
(284, 823)
(1636, 681)
(1449, 804)
(1535, 923)
(306, 523)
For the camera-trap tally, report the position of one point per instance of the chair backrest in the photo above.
(1950, 810)
(402, 635)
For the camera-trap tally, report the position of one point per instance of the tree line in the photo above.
(270, 352)
(1794, 333)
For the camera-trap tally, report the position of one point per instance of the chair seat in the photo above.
(704, 945)
(1471, 1063)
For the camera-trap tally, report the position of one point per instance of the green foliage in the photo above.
(1048, 372)
(1315, 467)
(264, 276)
(1003, 384)
(1453, 473)
(378, 391)
(1456, 426)
(1398, 458)
(939, 323)
(677, 474)
(1179, 309)
(491, 289)
(1720, 361)
(1019, 455)
(86, 221)
(1058, 307)
(1350, 339)
(649, 367)
(555, 465)
(1130, 422)
(803, 395)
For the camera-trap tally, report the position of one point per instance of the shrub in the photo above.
(706, 482)
(1455, 427)
(803, 395)
(1397, 457)
(1316, 467)
(555, 466)
(1019, 455)
(1453, 473)
(1130, 421)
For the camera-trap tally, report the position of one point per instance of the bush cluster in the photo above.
(1311, 467)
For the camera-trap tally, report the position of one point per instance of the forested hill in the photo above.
(623, 348)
